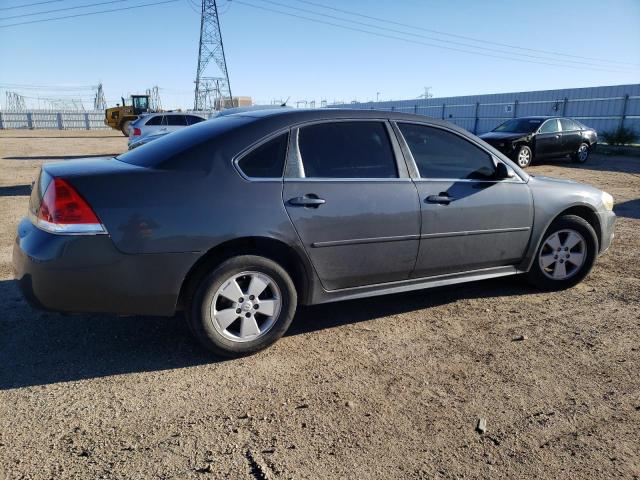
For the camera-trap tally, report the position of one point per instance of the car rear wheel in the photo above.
(566, 254)
(582, 154)
(125, 128)
(524, 156)
(244, 305)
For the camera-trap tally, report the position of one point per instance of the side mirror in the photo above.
(503, 171)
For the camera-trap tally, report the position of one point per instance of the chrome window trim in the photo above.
(414, 165)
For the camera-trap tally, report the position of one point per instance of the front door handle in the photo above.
(442, 198)
(309, 200)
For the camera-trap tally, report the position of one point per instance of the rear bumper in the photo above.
(86, 273)
(607, 229)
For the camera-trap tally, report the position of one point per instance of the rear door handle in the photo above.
(309, 200)
(441, 198)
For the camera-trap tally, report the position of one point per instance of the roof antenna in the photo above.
(284, 104)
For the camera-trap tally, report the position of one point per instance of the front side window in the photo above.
(176, 120)
(550, 126)
(347, 150)
(267, 160)
(568, 125)
(442, 154)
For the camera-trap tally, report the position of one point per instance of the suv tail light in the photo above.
(63, 210)
(136, 132)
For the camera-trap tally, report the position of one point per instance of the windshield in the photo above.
(519, 125)
(141, 102)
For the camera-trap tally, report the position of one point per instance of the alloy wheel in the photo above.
(524, 157)
(562, 254)
(583, 153)
(246, 306)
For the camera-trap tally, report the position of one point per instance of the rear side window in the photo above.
(267, 160)
(442, 154)
(192, 119)
(176, 120)
(550, 126)
(155, 121)
(347, 150)
(568, 125)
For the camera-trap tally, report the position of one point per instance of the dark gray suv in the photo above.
(239, 219)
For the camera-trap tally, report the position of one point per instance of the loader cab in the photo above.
(140, 103)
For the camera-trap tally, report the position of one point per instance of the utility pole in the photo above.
(213, 90)
(377, 96)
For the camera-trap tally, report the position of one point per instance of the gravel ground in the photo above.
(390, 387)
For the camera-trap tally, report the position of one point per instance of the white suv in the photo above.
(155, 125)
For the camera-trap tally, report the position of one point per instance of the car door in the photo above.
(548, 140)
(352, 203)
(571, 136)
(470, 220)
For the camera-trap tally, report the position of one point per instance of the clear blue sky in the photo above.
(272, 56)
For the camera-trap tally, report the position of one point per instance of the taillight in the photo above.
(136, 132)
(63, 210)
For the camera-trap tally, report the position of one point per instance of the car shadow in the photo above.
(598, 163)
(628, 209)
(41, 348)
(61, 157)
(15, 191)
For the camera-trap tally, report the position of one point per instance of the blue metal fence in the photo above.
(603, 108)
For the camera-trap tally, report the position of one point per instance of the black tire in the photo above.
(125, 128)
(582, 154)
(537, 276)
(199, 309)
(523, 156)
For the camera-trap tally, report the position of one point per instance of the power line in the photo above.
(393, 37)
(439, 32)
(30, 4)
(62, 9)
(90, 13)
(449, 42)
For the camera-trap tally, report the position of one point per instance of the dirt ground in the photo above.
(390, 387)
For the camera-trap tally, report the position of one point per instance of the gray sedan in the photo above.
(239, 219)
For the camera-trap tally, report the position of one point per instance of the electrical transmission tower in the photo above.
(213, 90)
(15, 102)
(155, 105)
(99, 102)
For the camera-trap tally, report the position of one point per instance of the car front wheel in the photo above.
(524, 156)
(566, 254)
(582, 154)
(244, 305)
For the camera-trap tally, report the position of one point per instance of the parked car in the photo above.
(239, 219)
(156, 124)
(528, 138)
(146, 139)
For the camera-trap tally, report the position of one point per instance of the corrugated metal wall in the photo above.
(603, 108)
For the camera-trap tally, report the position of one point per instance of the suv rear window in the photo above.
(154, 121)
(347, 150)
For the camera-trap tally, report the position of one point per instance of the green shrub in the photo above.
(620, 136)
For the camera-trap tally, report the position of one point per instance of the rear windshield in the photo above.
(521, 125)
(160, 153)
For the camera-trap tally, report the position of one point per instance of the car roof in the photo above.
(296, 115)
